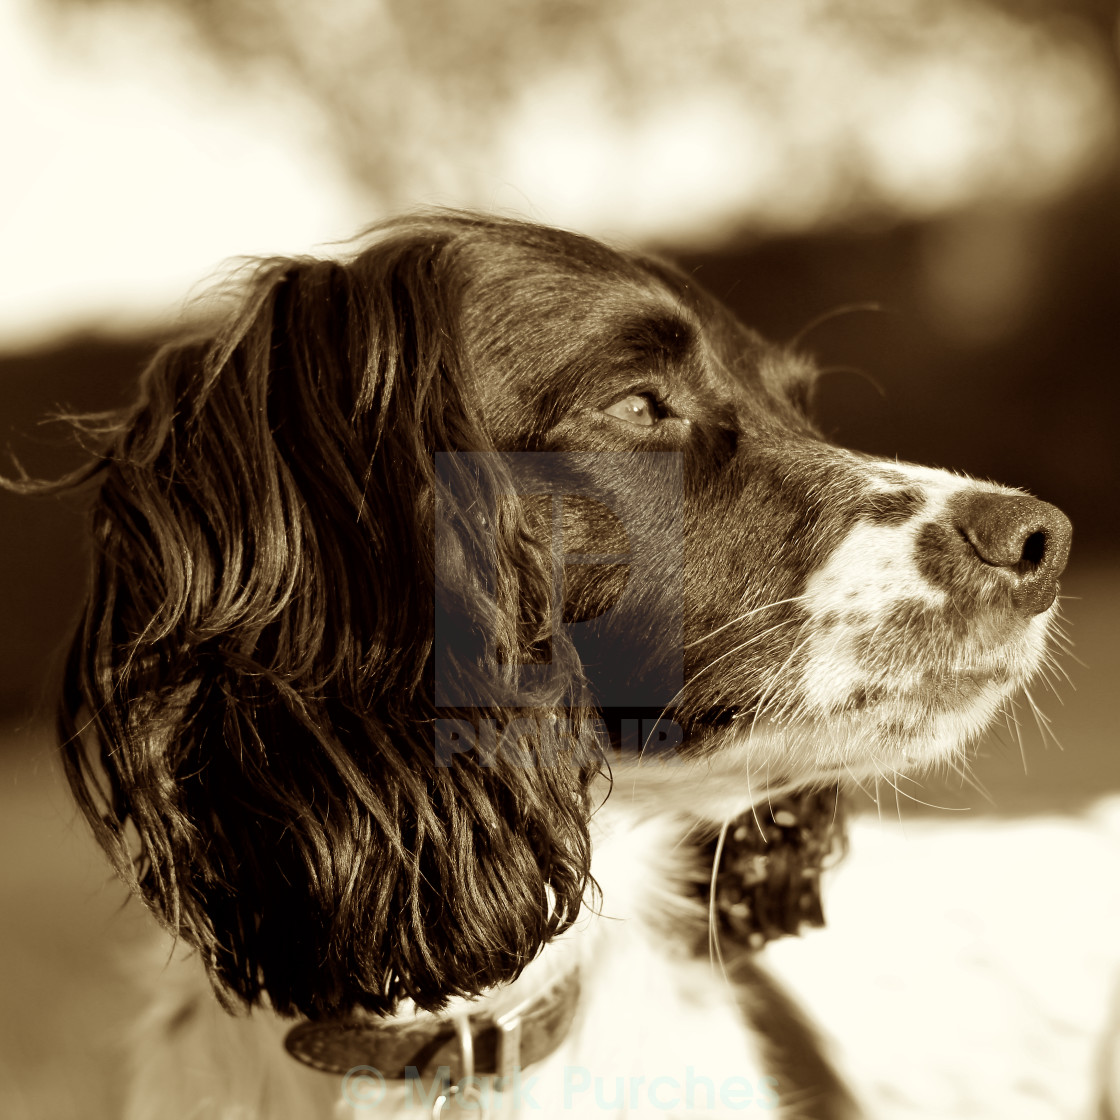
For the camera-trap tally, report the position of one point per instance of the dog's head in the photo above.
(480, 476)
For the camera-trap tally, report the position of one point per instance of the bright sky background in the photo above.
(131, 173)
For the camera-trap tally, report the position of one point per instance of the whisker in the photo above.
(741, 646)
(715, 950)
(742, 618)
(827, 316)
(711, 664)
(1045, 727)
(898, 791)
(972, 780)
(856, 782)
(1012, 712)
(754, 807)
(1058, 667)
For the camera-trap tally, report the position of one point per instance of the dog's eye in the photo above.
(636, 409)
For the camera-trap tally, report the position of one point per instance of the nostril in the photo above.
(1034, 551)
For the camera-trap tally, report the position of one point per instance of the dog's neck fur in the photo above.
(632, 946)
(642, 865)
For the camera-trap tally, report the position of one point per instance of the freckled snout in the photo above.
(1015, 538)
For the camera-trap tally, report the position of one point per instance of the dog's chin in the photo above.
(914, 721)
(915, 713)
(912, 731)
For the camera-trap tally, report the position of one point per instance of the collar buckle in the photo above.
(466, 1095)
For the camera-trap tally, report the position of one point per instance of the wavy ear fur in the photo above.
(248, 715)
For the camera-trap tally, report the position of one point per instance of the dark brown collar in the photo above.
(499, 1044)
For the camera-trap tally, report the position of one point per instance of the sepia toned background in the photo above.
(925, 192)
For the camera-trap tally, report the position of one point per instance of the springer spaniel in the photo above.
(447, 600)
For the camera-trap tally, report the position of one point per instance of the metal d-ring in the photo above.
(466, 1090)
(457, 1097)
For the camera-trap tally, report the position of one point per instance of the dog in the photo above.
(447, 598)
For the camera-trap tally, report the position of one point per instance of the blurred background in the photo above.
(952, 162)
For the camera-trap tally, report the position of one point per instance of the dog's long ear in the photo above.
(248, 718)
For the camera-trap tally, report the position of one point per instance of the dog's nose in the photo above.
(1020, 536)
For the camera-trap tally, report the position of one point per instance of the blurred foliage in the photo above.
(678, 118)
